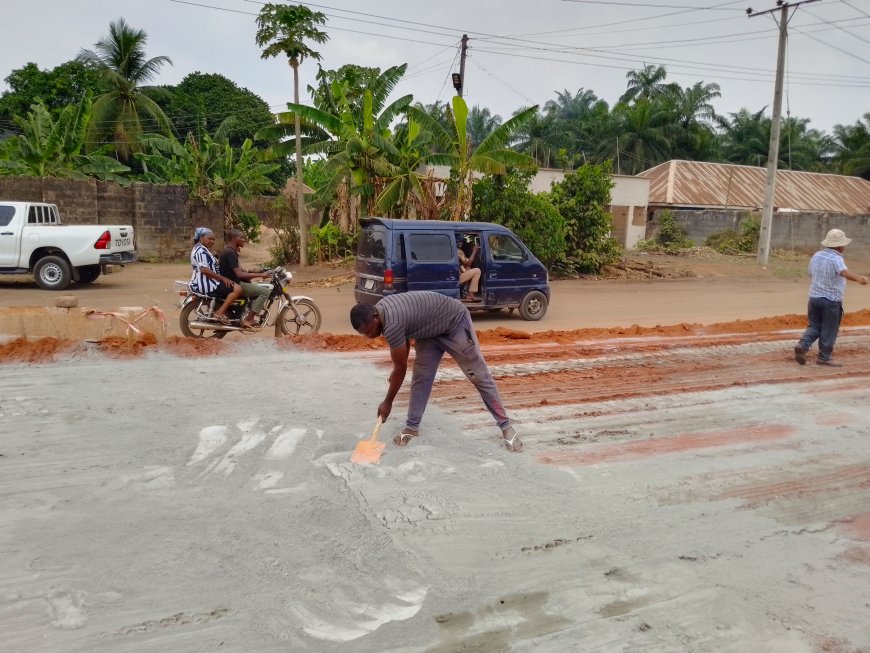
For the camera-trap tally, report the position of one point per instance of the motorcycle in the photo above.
(290, 315)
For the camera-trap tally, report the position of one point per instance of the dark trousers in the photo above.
(464, 348)
(823, 317)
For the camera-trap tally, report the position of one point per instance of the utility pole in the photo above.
(773, 147)
(459, 78)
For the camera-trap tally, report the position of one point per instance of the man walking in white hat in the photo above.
(825, 309)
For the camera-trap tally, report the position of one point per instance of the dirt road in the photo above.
(723, 293)
(682, 489)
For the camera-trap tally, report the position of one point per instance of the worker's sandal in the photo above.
(403, 438)
(512, 443)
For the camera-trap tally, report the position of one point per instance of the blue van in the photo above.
(399, 255)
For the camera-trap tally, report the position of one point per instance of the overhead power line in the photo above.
(631, 59)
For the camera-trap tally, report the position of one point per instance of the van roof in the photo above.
(390, 223)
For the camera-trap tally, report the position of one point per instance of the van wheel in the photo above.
(534, 306)
(52, 273)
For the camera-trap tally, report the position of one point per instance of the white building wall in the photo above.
(627, 191)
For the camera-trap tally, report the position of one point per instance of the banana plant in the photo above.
(54, 148)
(356, 144)
(491, 156)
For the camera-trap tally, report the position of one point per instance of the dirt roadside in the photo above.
(701, 289)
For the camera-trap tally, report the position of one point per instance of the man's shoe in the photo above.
(830, 362)
(800, 355)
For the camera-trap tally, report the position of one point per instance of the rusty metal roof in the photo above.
(724, 185)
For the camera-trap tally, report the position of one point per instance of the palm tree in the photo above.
(744, 137)
(117, 116)
(287, 30)
(644, 83)
(481, 123)
(580, 125)
(490, 157)
(536, 139)
(643, 137)
(49, 147)
(852, 143)
(690, 132)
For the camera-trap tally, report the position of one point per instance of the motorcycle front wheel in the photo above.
(300, 318)
(190, 313)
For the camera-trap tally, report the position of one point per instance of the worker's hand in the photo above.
(862, 280)
(385, 409)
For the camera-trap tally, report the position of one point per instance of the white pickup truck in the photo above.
(33, 240)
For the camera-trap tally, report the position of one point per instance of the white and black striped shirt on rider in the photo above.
(201, 258)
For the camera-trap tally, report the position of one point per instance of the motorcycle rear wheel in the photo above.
(301, 318)
(190, 314)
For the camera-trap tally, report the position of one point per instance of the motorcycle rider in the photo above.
(206, 278)
(232, 270)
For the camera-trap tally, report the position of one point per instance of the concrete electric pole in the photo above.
(459, 78)
(773, 148)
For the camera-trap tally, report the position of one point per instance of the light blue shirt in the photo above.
(825, 268)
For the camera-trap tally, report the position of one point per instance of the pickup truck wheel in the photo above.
(534, 306)
(88, 273)
(190, 314)
(52, 273)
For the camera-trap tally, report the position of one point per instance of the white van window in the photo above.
(505, 248)
(432, 247)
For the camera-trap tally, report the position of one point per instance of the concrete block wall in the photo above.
(794, 231)
(162, 215)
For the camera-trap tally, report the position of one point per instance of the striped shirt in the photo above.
(418, 314)
(201, 258)
(825, 268)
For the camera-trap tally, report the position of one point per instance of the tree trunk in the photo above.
(300, 196)
(343, 207)
(228, 216)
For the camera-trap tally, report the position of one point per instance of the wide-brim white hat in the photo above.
(836, 238)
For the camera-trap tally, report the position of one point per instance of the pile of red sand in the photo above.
(47, 349)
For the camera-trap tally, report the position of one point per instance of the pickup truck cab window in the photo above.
(42, 214)
(6, 215)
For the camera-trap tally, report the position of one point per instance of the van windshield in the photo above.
(373, 243)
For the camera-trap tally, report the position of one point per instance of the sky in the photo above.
(520, 51)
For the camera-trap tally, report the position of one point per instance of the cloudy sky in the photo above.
(521, 51)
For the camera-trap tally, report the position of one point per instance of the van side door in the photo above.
(508, 270)
(432, 263)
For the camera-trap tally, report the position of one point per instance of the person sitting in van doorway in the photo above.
(437, 324)
(467, 273)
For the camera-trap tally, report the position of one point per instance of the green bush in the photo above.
(286, 249)
(249, 224)
(670, 237)
(328, 242)
(506, 200)
(741, 241)
(582, 199)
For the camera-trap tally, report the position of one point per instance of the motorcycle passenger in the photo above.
(232, 270)
(206, 278)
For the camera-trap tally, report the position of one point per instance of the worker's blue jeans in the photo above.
(823, 316)
(462, 345)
